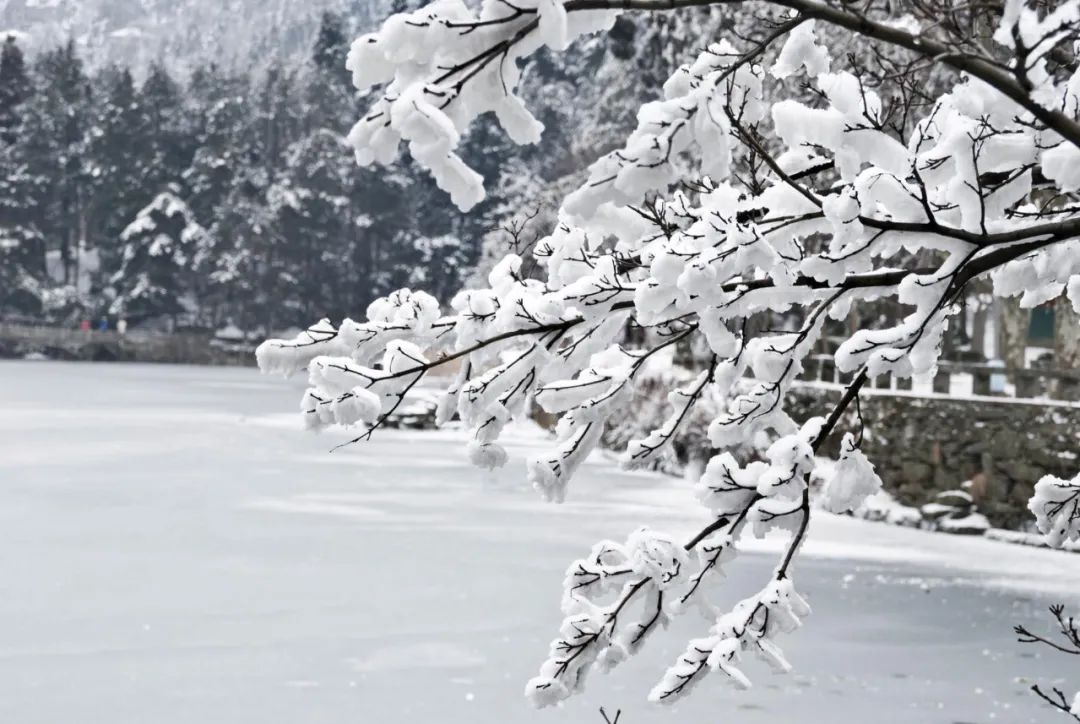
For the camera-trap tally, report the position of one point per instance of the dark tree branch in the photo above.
(1069, 630)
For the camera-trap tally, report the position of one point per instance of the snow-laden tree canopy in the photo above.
(161, 247)
(771, 177)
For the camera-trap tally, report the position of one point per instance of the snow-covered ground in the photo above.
(175, 550)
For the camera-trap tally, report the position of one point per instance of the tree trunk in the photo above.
(1066, 347)
(978, 330)
(1013, 325)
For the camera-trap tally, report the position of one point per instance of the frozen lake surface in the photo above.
(176, 551)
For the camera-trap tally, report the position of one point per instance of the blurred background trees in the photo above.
(295, 231)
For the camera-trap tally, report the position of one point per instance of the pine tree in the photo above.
(236, 281)
(22, 247)
(118, 149)
(255, 247)
(310, 210)
(219, 107)
(331, 48)
(58, 133)
(329, 98)
(163, 249)
(165, 129)
(15, 89)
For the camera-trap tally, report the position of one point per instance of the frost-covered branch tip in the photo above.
(1067, 642)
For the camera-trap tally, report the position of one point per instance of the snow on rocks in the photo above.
(1035, 540)
(970, 524)
(882, 507)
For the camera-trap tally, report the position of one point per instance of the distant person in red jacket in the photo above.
(85, 325)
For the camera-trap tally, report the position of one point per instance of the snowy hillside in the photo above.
(137, 32)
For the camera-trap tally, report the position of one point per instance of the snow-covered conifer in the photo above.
(161, 247)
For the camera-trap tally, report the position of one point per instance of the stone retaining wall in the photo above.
(925, 445)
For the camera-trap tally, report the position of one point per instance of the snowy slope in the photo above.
(179, 32)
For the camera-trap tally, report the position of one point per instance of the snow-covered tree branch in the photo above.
(771, 178)
(1066, 641)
